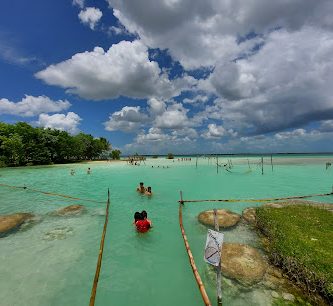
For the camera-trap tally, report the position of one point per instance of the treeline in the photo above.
(21, 144)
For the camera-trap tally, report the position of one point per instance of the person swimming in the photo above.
(141, 188)
(141, 222)
(148, 191)
(88, 171)
(72, 172)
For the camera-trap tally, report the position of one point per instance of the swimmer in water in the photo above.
(141, 188)
(148, 191)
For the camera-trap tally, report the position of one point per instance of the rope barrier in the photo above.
(259, 200)
(51, 193)
(190, 256)
(100, 254)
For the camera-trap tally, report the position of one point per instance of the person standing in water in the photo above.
(141, 188)
(142, 224)
(89, 171)
(148, 191)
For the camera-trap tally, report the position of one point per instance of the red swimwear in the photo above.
(142, 226)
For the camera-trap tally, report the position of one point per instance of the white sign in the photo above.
(213, 247)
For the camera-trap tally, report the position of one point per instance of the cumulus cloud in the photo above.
(128, 119)
(90, 15)
(31, 106)
(286, 84)
(79, 3)
(62, 122)
(123, 70)
(174, 117)
(198, 33)
(197, 100)
(216, 132)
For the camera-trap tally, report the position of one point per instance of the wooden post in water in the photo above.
(248, 163)
(196, 162)
(262, 165)
(217, 164)
(218, 268)
(272, 161)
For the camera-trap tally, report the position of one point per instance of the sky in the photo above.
(180, 76)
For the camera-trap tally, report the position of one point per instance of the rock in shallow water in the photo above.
(11, 222)
(69, 210)
(242, 263)
(249, 215)
(58, 233)
(226, 218)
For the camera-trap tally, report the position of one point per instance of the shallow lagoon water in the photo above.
(54, 261)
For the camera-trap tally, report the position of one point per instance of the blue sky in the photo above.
(178, 76)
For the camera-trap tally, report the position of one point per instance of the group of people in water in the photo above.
(141, 221)
(142, 189)
(72, 172)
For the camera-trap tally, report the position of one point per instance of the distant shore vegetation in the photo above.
(21, 145)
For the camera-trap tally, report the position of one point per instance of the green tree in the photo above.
(115, 154)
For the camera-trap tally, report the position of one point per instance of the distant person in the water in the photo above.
(142, 224)
(148, 191)
(141, 188)
(72, 172)
(88, 171)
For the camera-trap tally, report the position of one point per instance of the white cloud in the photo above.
(174, 117)
(62, 122)
(286, 84)
(294, 133)
(79, 3)
(216, 132)
(31, 106)
(124, 70)
(199, 99)
(90, 16)
(198, 33)
(326, 126)
(128, 119)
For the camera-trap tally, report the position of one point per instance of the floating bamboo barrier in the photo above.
(100, 255)
(51, 193)
(260, 200)
(190, 256)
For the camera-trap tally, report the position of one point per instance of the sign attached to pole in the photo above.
(213, 247)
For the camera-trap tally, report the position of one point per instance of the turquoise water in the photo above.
(40, 267)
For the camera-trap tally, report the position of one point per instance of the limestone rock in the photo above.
(59, 233)
(249, 215)
(70, 210)
(13, 221)
(242, 263)
(288, 297)
(226, 218)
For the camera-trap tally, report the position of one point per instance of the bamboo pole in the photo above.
(262, 165)
(272, 162)
(196, 162)
(262, 200)
(51, 193)
(190, 256)
(218, 268)
(100, 254)
(217, 164)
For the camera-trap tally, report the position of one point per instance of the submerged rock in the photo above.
(249, 215)
(58, 233)
(11, 222)
(69, 210)
(242, 263)
(226, 218)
